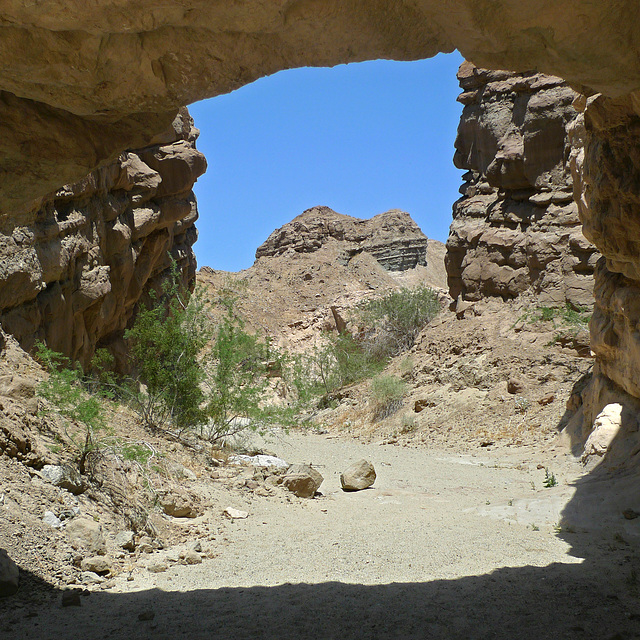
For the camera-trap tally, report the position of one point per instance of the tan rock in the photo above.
(96, 564)
(360, 475)
(9, 575)
(88, 534)
(302, 480)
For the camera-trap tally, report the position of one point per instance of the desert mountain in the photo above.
(309, 272)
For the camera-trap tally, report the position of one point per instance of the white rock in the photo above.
(260, 461)
(235, 514)
(52, 520)
(63, 476)
(605, 429)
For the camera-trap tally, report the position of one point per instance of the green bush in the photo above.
(392, 323)
(65, 392)
(165, 342)
(386, 395)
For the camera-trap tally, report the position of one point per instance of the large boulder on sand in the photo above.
(358, 476)
(303, 480)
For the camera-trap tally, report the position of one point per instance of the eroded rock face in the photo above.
(72, 271)
(516, 227)
(392, 238)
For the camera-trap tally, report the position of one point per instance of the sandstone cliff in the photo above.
(73, 270)
(516, 227)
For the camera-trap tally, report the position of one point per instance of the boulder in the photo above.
(88, 534)
(125, 540)
(360, 475)
(302, 480)
(178, 504)
(9, 575)
(96, 564)
(64, 476)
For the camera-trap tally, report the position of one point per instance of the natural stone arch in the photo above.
(78, 85)
(113, 76)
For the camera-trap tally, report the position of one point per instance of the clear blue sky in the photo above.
(359, 138)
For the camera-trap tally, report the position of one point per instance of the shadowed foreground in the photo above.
(558, 601)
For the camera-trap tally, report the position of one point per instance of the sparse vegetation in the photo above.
(386, 395)
(83, 412)
(549, 479)
(563, 318)
(392, 323)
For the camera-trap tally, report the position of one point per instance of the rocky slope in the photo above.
(72, 271)
(516, 226)
(309, 273)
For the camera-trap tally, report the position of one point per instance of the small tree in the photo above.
(236, 374)
(165, 344)
(64, 390)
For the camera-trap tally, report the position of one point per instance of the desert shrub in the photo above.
(386, 395)
(165, 342)
(236, 376)
(392, 323)
(83, 411)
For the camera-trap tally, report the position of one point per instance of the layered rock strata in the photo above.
(392, 238)
(517, 228)
(72, 272)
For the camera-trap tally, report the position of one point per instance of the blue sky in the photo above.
(359, 138)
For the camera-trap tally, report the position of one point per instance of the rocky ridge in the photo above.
(392, 238)
(516, 226)
(311, 272)
(73, 270)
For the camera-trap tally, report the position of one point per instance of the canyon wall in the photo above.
(517, 228)
(73, 270)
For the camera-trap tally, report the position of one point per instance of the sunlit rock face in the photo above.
(72, 271)
(392, 238)
(79, 86)
(516, 228)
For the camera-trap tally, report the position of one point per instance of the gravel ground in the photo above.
(443, 546)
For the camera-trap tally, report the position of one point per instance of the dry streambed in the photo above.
(442, 545)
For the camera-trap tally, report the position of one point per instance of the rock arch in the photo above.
(78, 86)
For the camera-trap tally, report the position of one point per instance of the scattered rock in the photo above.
(358, 476)
(89, 577)
(547, 399)
(421, 404)
(65, 477)
(71, 598)
(191, 557)
(87, 533)
(125, 540)
(302, 480)
(9, 575)
(178, 504)
(235, 514)
(261, 461)
(195, 546)
(52, 520)
(515, 386)
(157, 565)
(96, 564)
